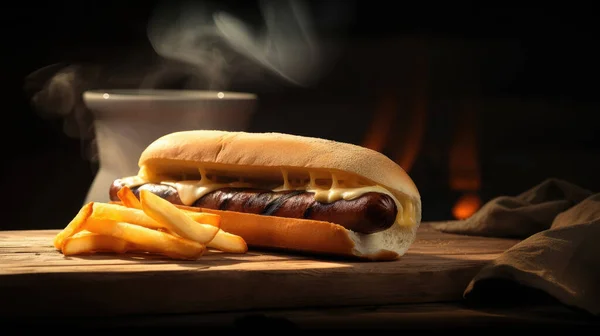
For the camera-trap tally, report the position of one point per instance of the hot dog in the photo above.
(321, 196)
(370, 213)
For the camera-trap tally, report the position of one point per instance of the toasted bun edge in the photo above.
(314, 237)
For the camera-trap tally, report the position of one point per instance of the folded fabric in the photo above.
(522, 215)
(560, 254)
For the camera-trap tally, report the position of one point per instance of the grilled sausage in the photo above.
(369, 213)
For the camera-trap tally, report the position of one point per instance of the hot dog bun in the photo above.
(265, 156)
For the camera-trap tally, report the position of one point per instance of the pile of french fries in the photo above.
(149, 224)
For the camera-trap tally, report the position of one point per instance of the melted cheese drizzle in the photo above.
(133, 181)
(192, 190)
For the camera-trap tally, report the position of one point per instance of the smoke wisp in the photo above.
(198, 46)
(219, 46)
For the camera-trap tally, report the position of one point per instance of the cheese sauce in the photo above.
(192, 190)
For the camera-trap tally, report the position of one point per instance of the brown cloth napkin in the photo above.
(560, 254)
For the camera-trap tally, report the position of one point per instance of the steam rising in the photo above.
(199, 46)
(219, 45)
(288, 45)
(187, 35)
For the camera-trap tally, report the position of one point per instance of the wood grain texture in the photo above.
(38, 280)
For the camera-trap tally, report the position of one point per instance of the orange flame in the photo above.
(464, 165)
(466, 206)
(405, 134)
(382, 123)
(407, 154)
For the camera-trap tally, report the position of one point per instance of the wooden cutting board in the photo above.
(35, 279)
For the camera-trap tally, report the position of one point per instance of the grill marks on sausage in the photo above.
(275, 204)
(372, 212)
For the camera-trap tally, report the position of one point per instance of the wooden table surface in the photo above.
(427, 283)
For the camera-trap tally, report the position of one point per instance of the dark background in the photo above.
(529, 74)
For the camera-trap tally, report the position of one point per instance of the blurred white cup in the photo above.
(127, 121)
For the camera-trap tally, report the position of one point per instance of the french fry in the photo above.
(141, 249)
(128, 198)
(121, 213)
(148, 239)
(82, 233)
(205, 218)
(150, 224)
(227, 242)
(175, 220)
(104, 211)
(74, 226)
(185, 208)
(86, 243)
(223, 241)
